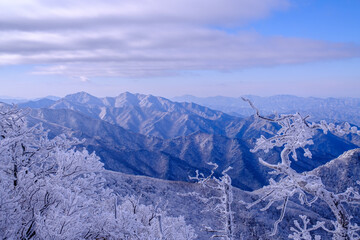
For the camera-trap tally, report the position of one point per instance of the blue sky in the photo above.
(176, 47)
(329, 20)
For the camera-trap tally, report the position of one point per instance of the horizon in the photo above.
(169, 98)
(172, 48)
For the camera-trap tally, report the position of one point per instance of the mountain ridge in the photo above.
(329, 109)
(176, 158)
(151, 115)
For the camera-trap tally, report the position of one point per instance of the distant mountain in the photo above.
(12, 100)
(152, 136)
(41, 103)
(150, 115)
(34, 103)
(330, 109)
(177, 158)
(54, 98)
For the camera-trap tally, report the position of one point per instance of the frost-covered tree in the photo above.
(304, 232)
(134, 220)
(77, 196)
(219, 202)
(296, 133)
(49, 190)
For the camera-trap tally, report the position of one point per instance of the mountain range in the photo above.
(153, 136)
(151, 145)
(150, 115)
(329, 109)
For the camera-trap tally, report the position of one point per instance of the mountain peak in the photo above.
(141, 100)
(78, 94)
(83, 97)
(126, 99)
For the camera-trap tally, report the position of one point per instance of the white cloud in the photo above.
(203, 11)
(147, 37)
(84, 79)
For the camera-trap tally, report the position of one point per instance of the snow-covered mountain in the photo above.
(10, 100)
(150, 115)
(133, 153)
(336, 180)
(142, 164)
(40, 103)
(330, 109)
(201, 140)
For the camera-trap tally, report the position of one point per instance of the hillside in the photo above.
(251, 223)
(150, 115)
(176, 158)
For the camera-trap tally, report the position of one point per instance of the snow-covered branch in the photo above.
(219, 202)
(303, 232)
(296, 133)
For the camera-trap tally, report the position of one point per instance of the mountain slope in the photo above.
(338, 181)
(119, 149)
(176, 159)
(249, 223)
(151, 115)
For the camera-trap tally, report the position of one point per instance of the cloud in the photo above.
(148, 37)
(84, 79)
(114, 12)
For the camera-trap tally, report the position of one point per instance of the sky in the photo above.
(175, 47)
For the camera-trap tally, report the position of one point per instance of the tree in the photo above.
(296, 133)
(135, 220)
(49, 190)
(220, 201)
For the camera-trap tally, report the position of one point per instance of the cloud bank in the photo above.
(148, 37)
